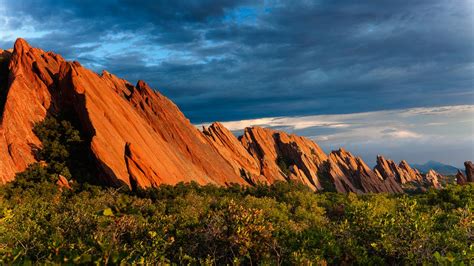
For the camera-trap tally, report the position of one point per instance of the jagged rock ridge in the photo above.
(164, 147)
(140, 138)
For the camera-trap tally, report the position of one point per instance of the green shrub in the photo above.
(278, 224)
(284, 165)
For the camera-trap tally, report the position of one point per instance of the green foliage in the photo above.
(284, 165)
(62, 152)
(189, 224)
(59, 139)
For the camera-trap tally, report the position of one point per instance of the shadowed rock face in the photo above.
(469, 171)
(140, 138)
(353, 170)
(460, 178)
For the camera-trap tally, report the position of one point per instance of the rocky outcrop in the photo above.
(166, 141)
(432, 179)
(27, 99)
(139, 138)
(353, 170)
(469, 171)
(402, 172)
(112, 112)
(460, 178)
(232, 150)
(406, 176)
(63, 183)
(410, 174)
(283, 156)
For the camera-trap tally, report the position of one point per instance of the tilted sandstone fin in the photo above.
(227, 145)
(140, 138)
(111, 112)
(273, 149)
(469, 171)
(432, 179)
(460, 178)
(403, 173)
(27, 101)
(141, 174)
(359, 174)
(167, 147)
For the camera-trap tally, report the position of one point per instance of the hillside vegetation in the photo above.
(283, 223)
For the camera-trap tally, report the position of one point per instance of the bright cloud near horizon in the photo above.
(304, 61)
(417, 135)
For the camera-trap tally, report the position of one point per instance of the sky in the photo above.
(359, 62)
(417, 135)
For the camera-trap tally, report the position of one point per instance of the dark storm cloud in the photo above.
(229, 60)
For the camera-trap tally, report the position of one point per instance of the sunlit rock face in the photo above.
(164, 146)
(25, 100)
(139, 138)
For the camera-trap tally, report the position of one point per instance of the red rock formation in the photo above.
(283, 156)
(469, 171)
(460, 178)
(27, 99)
(232, 150)
(403, 173)
(352, 170)
(139, 138)
(411, 175)
(432, 179)
(112, 112)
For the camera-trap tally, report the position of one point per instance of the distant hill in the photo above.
(444, 169)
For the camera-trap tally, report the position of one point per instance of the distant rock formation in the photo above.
(402, 172)
(469, 171)
(344, 168)
(432, 179)
(140, 138)
(460, 178)
(229, 147)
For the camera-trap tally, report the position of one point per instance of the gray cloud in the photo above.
(228, 60)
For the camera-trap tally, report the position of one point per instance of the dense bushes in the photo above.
(63, 149)
(283, 223)
(189, 224)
